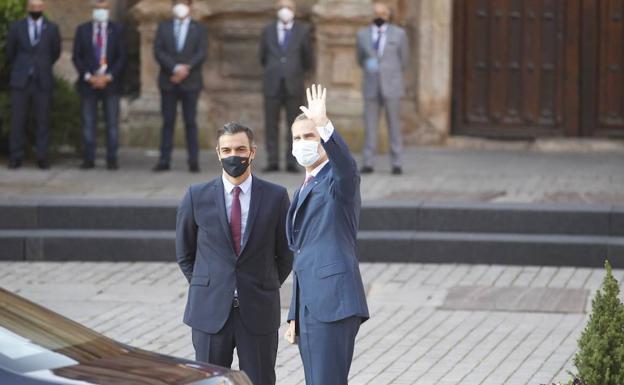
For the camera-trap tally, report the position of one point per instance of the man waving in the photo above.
(328, 303)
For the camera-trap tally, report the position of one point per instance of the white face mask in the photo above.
(285, 15)
(306, 152)
(181, 11)
(100, 15)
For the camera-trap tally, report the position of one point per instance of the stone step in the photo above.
(373, 246)
(385, 216)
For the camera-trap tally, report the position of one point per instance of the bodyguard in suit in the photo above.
(328, 303)
(231, 246)
(285, 55)
(100, 59)
(180, 49)
(383, 54)
(33, 46)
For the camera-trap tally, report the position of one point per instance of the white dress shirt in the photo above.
(31, 29)
(244, 197)
(384, 34)
(281, 30)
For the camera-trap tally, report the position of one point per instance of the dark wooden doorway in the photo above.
(532, 68)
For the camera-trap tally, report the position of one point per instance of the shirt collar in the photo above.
(383, 28)
(318, 169)
(33, 21)
(245, 186)
(281, 25)
(184, 21)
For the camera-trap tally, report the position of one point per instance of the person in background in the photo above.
(286, 55)
(383, 54)
(180, 49)
(33, 45)
(231, 247)
(100, 58)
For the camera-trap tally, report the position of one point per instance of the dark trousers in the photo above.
(272, 108)
(88, 105)
(326, 348)
(169, 105)
(256, 353)
(21, 99)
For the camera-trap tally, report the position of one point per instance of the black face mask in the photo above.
(379, 21)
(235, 166)
(35, 14)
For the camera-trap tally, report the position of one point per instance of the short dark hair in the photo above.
(175, 1)
(232, 128)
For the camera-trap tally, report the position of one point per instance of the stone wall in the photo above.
(233, 74)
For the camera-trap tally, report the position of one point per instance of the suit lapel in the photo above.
(273, 38)
(256, 198)
(293, 36)
(307, 189)
(26, 33)
(219, 198)
(171, 30)
(291, 215)
(189, 35)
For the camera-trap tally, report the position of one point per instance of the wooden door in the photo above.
(516, 68)
(603, 68)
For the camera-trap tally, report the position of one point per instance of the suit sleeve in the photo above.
(200, 55)
(307, 55)
(345, 174)
(404, 51)
(56, 44)
(262, 48)
(360, 52)
(11, 44)
(117, 69)
(164, 59)
(284, 256)
(186, 236)
(77, 55)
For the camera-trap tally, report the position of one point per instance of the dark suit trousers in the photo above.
(169, 106)
(88, 104)
(256, 353)
(272, 108)
(20, 103)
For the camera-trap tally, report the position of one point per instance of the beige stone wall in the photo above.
(233, 74)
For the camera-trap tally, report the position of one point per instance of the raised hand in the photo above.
(316, 109)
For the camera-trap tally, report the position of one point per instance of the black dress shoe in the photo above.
(397, 170)
(161, 167)
(87, 165)
(194, 167)
(366, 170)
(112, 165)
(292, 169)
(43, 164)
(14, 164)
(271, 168)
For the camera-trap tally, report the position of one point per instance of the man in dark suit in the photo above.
(33, 46)
(180, 49)
(100, 58)
(328, 303)
(285, 54)
(231, 246)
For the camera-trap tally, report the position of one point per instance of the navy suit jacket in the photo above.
(207, 258)
(26, 60)
(85, 61)
(323, 234)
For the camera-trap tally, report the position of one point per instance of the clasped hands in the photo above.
(99, 81)
(180, 72)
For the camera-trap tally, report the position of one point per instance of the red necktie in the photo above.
(235, 220)
(99, 43)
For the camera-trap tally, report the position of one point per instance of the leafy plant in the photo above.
(600, 359)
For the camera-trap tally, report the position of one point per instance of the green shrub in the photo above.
(600, 359)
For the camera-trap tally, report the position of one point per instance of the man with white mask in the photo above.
(286, 55)
(328, 301)
(100, 58)
(180, 49)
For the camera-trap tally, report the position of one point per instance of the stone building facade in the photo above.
(233, 75)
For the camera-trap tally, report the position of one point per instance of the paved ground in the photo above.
(432, 174)
(416, 335)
